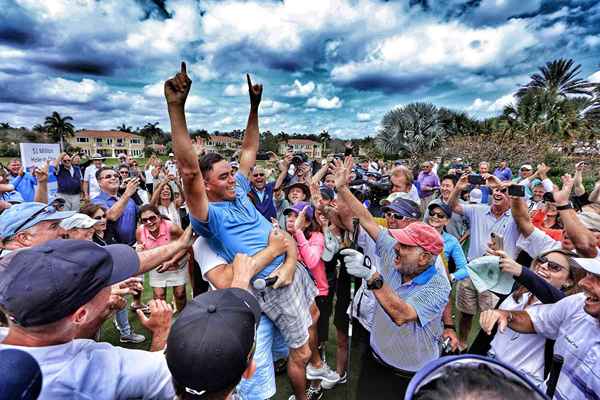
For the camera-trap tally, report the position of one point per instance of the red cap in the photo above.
(420, 234)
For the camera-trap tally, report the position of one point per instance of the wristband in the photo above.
(565, 207)
(448, 326)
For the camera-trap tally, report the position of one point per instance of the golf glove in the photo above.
(355, 264)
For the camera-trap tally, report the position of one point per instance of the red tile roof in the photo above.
(107, 134)
(302, 141)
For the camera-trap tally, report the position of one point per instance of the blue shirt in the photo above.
(453, 251)
(413, 344)
(123, 229)
(237, 227)
(504, 174)
(24, 185)
(69, 183)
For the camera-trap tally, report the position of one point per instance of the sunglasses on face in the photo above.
(501, 190)
(551, 265)
(438, 215)
(100, 217)
(124, 172)
(258, 174)
(149, 219)
(110, 176)
(398, 217)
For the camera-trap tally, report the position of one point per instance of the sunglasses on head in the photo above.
(398, 217)
(149, 219)
(551, 265)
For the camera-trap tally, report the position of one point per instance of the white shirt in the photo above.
(482, 223)
(577, 336)
(171, 167)
(364, 298)
(89, 176)
(206, 258)
(523, 351)
(537, 243)
(85, 369)
(149, 176)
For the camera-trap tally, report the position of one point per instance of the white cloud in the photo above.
(363, 117)
(270, 107)
(480, 106)
(499, 10)
(83, 91)
(324, 103)
(236, 90)
(592, 40)
(225, 121)
(595, 77)
(297, 89)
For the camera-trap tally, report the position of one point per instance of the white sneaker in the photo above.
(325, 373)
(326, 385)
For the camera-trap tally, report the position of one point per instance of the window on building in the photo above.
(82, 140)
(98, 140)
(109, 141)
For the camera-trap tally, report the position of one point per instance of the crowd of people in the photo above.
(400, 261)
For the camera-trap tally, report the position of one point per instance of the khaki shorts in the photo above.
(289, 307)
(468, 300)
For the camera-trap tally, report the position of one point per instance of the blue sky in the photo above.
(335, 65)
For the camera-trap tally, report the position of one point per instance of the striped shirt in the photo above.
(413, 344)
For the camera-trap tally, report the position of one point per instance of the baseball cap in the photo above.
(171, 155)
(421, 235)
(234, 164)
(97, 156)
(298, 207)
(299, 185)
(21, 377)
(78, 220)
(25, 215)
(45, 283)
(475, 196)
(485, 273)
(439, 367)
(444, 207)
(327, 193)
(122, 155)
(211, 343)
(591, 265)
(528, 167)
(406, 208)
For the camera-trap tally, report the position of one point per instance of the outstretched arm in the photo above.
(176, 92)
(250, 143)
(453, 201)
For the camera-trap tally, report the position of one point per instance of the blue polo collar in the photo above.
(425, 276)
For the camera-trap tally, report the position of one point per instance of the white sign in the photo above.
(36, 154)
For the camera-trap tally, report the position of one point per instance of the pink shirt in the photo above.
(164, 235)
(310, 252)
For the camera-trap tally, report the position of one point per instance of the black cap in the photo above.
(46, 283)
(302, 186)
(327, 193)
(21, 377)
(210, 344)
(406, 208)
(444, 207)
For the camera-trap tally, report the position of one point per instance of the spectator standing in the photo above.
(22, 180)
(168, 205)
(428, 183)
(171, 165)
(98, 213)
(457, 226)
(402, 182)
(69, 182)
(79, 227)
(261, 193)
(502, 172)
(91, 188)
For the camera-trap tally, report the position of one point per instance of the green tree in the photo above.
(558, 78)
(151, 132)
(125, 128)
(58, 127)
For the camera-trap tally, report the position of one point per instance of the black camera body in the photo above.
(299, 158)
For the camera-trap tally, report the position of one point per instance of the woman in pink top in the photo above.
(304, 227)
(156, 230)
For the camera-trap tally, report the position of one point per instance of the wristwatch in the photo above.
(376, 283)
(568, 206)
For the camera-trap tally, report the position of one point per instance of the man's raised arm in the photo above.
(176, 92)
(251, 136)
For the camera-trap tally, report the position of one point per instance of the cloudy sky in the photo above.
(325, 64)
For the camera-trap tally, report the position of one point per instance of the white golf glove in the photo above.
(355, 264)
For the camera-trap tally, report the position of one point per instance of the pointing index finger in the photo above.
(249, 81)
(183, 68)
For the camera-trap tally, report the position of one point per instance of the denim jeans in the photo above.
(122, 322)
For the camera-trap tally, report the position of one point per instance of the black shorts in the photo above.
(324, 304)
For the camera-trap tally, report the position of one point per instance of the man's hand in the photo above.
(41, 173)
(462, 183)
(160, 317)
(128, 286)
(451, 333)
(285, 276)
(21, 171)
(178, 87)
(355, 264)
(278, 241)
(488, 319)
(255, 92)
(132, 187)
(286, 160)
(561, 197)
(507, 264)
(243, 269)
(186, 240)
(342, 171)
(115, 303)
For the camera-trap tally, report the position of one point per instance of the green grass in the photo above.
(110, 334)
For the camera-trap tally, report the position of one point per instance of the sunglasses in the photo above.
(438, 215)
(502, 190)
(259, 174)
(149, 219)
(110, 176)
(100, 217)
(48, 210)
(124, 172)
(398, 217)
(551, 265)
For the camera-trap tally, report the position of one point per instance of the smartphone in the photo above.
(516, 190)
(548, 197)
(498, 241)
(475, 179)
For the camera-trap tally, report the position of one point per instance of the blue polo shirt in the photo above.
(24, 187)
(68, 183)
(264, 201)
(237, 227)
(413, 344)
(123, 229)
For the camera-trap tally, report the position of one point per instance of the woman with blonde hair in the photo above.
(402, 182)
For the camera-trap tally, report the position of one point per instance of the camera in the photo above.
(476, 179)
(299, 158)
(516, 190)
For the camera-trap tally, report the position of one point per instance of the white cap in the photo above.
(527, 167)
(171, 155)
(122, 155)
(78, 220)
(475, 196)
(591, 265)
(97, 156)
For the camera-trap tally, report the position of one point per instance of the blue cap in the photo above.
(21, 377)
(298, 207)
(46, 283)
(406, 208)
(25, 215)
(444, 207)
(327, 193)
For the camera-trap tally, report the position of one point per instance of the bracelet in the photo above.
(565, 207)
(448, 326)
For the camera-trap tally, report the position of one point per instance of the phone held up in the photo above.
(516, 190)
(497, 241)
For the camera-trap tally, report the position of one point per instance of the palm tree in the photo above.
(410, 130)
(58, 127)
(4, 125)
(324, 138)
(558, 78)
(151, 131)
(124, 128)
